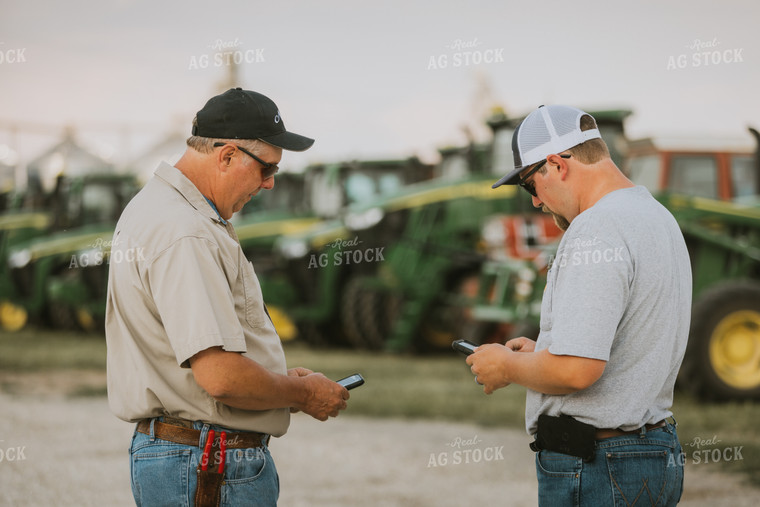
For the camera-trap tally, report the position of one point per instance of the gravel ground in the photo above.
(75, 453)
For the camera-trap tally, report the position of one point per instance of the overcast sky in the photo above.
(369, 80)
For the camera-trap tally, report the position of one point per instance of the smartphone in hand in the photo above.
(351, 381)
(464, 346)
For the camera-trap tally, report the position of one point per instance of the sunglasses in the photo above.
(530, 187)
(267, 171)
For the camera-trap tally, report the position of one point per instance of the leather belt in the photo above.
(189, 436)
(610, 433)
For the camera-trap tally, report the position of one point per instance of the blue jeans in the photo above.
(641, 469)
(164, 473)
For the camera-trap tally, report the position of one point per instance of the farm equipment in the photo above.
(713, 194)
(312, 264)
(54, 263)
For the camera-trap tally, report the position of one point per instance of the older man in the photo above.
(614, 324)
(193, 357)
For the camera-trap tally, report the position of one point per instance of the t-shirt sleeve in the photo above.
(590, 294)
(191, 286)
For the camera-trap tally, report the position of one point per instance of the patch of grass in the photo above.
(707, 429)
(89, 392)
(428, 387)
(37, 350)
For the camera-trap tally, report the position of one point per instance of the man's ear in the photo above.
(224, 157)
(555, 162)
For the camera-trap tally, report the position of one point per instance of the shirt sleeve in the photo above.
(191, 286)
(590, 295)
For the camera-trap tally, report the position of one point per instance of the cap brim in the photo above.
(510, 179)
(289, 141)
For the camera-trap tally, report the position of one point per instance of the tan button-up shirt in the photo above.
(178, 284)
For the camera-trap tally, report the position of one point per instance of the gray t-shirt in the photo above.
(618, 290)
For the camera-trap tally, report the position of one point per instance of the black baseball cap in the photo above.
(244, 114)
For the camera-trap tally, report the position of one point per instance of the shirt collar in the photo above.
(174, 177)
(216, 210)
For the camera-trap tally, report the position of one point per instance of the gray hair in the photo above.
(206, 144)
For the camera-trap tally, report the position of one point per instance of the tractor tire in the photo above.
(352, 313)
(61, 317)
(367, 315)
(447, 320)
(312, 335)
(378, 313)
(722, 360)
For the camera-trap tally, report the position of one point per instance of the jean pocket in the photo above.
(558, 478)
(642, 477)
(556, 463)
(250, 475)
(161, 476)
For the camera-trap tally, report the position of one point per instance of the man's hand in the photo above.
(496, 366)
(521, 344)
(487, 363)
(298, 372)
(325, 398)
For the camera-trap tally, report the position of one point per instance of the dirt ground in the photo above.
(73, 451)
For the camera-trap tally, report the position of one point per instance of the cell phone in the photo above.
(351, 381)
(464, 346)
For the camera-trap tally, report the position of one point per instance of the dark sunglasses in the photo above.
(267, 171)
(530, 187)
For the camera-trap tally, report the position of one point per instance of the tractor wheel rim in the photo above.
(12, 317)
(735, 349)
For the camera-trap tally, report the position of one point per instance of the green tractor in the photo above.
(16, 226)
(55, 269)
(313, 265)
(430, 236)
(270, 215)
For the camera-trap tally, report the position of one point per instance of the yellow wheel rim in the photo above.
(735, 349)
(85, 319)
(12, 317)
(285, 327)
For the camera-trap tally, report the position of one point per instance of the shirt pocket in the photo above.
(254, 302)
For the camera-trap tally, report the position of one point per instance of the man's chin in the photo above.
(559, 220)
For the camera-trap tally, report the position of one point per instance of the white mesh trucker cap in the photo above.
(545, 131)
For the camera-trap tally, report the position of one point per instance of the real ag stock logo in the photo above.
(343, 254)
(12, 453)
(11, 56)
(704, 54)
(706, 450)
(465, 451)
(465, 53)
(226, 54)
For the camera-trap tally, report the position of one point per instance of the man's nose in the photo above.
(268, 184)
